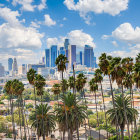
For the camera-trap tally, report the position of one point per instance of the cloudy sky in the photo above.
(27, 27)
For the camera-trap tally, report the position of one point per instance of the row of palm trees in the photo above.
(70, 112)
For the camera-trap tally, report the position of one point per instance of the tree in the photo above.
(119, 108)
(8, 89)
(93, 88)
(71, 83)
(39, 84)
(75, 112)
(48, 117)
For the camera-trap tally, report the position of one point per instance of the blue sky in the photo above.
(27, 27)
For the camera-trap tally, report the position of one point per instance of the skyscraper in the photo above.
(53, 55)
(47, 57)
(66, 44)
(62, 51)
(71, 55)
(10, 63)
(88, 56)
(81, 57)
(14, 66)
(1, 70)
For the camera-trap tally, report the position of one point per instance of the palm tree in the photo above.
(47, 116)
(71, 83)
(119, 108)
(75, 110)
(99, 79)
(39, 84)
(106, 67)
(93, 88)
(8, 89)
(64, 85)
(17, 89)
(138, 58)
(61, 61)
(56, 89)
(31, 78)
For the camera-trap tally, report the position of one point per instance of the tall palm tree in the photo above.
(31, 78)
(60, 62)
(64, 85)
(75, 110)
(39, 84)
(106, 68)
(119, 108)
(93, 88)
(17, 89)
(138, 58)
(48, 116)
(99, 79)
(8, 89)
(71, 83)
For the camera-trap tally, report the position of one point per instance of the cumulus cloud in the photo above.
(34, 24)
(115, 43)
(49, 21)
(76, 37)
(125, 32)
(111, 7)
(26, 4)
(10, 16)
(42, 5)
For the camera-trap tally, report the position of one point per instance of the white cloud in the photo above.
(49, 21)
(26, 4)
(34, 24)
(125, 32)
(111, 7)
(115, 43)
(76, 37)
(42, 5)
(104, 37)
(10, 16)
(64, 18)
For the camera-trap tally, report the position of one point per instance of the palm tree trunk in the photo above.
(19, 111)
(42, 118)
(35, 112)
(117, 126)
(74, 92)
(12, 112)
(23, 119)
(122, 133)
(65, 110)
(125, 114)
(97, 114)
(104, 107)
(135, 125)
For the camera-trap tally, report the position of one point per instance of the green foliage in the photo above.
(89, 112)
(115, 138)
(90, 138)
(29, 106)
(1, 102)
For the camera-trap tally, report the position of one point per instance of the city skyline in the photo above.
(27, 29)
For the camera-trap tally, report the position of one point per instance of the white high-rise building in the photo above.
(14, 66)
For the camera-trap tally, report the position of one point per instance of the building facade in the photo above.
(47, 57)
(2, 71)
(71, 55)
(15, 66)
(10, 63)
(66, 44)
(81, 57)
(53, 55)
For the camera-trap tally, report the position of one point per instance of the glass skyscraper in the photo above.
(47, 57)
(62, 51)
(66, 44)
(81, 57)
(10, 63)
(88, 56)
(71, 55)
(53, 55)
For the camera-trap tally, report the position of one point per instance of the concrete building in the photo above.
(22, 70)
(2, 71)
(15, 66)
(71, 55)
(35, 66)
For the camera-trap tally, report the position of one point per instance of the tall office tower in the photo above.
(2, 71)
(14, 66)
(81, 57)
(22, 69)
(66, 44)
(71, 55)
(95, 63)
(62, 51)
(47, 57)
(88, 56)
(10, 63)
(53, 55)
